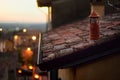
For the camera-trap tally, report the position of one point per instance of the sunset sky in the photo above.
(21, 11)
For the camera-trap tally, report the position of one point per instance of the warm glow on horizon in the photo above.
(21, 11)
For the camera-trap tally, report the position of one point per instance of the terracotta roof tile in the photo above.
(64, 52)
(46, 40)
(47, 46)
(57, 42)
(73, 40)
(73, 37)
(110, 33)
(80, 45)
(54, 37)
(59, 47)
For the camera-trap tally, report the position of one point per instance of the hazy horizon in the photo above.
(35, 26)
(22, 11)
(24, 22)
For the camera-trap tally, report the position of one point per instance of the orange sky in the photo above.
(21, 11)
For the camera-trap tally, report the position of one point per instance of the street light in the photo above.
(1, 29)
(19, 71)
(34, 38)
(28, 49)
(30, 67)
(24, 30)
(36, 76)
(15, 37)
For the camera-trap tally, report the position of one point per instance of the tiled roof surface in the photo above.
(73, 37)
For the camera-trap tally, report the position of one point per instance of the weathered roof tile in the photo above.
(72, 40)
(59, 47)
(110, 33)
(59, 41)
(47, 46)
(45, 40)
(80, 45)
(66, 51)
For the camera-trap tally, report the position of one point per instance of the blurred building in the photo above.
(11, 46)
(8, 65)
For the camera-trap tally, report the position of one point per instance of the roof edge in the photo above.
(83, 56)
